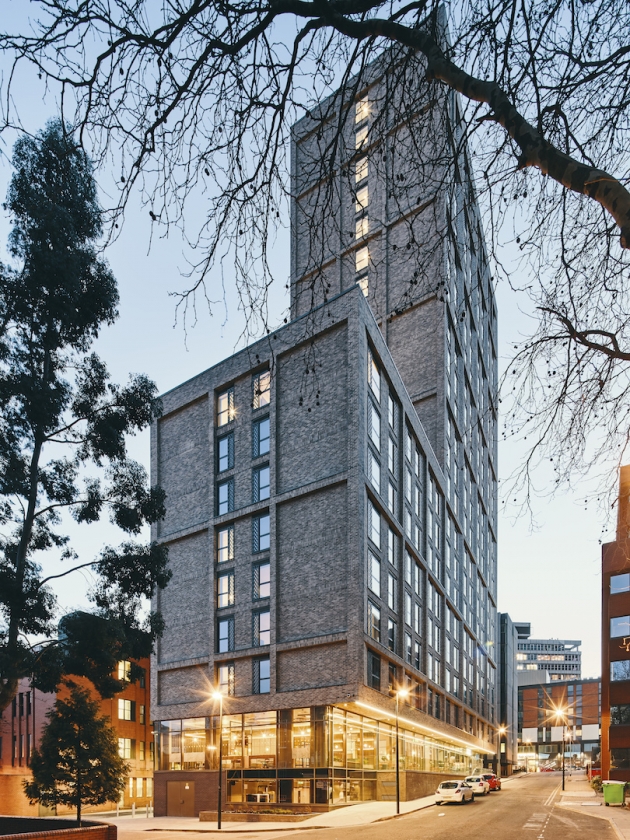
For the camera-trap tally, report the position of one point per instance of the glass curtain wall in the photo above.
(301, 756)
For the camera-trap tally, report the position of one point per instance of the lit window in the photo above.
(260, 437)
(361, 170)
(362, 199)
(362, 283)
(142, 714)
(126, 710)
(139, 787)
(130, 787)
(225, 407)
(262, 581)
(361, 137)
(619, 626)
(141, 750)
(362, 109)
(374, 621)
(374, 572)
(261, 483)
(150, 786)
(225, 453)
(124, 671)
(225, 635)
(262, 628)
(225, 544)
(361, 259)
(261, 532)
(262, 389)
(225, 678)
(362, 228)
(126, 748)
(225, 497)
(262, 676)
(225, 590)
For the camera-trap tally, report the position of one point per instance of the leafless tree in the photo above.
(193, 96)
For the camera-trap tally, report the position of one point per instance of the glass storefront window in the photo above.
(369, 744)
(196, 738)
(170, 744)
(338, 738)
(259, 739)
(232, 741)
(354, 738)
(386, 747)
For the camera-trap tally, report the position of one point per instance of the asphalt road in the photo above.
(524, 809)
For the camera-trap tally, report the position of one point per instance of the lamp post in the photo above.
(502, 734)
(562, 714)
(402, 692)
(218, 696)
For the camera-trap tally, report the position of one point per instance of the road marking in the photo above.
(552, 796)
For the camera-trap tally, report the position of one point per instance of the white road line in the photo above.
(552, 796)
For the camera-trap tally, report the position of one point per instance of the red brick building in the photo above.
(20, 731)
(616, 643)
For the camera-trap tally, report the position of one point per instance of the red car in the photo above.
(493, 780)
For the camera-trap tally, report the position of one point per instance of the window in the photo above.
(374, 426)
(620, 626)
(361, 137)
(391, 634)
(417, 656)
(374, 621)
(391, 412)
(142, 714)
(260, 438)
(225, 453)
(225, 590)
(620, 715)
(361, 170)
(374, 525)
(408, 608)
(392, 678)
(391, 547)
(124, 671)
(362, 109)
(408, 648)
(225, 407)
(374, 574)
(225, 678)
(225, 496)
(262, 676)
(141, 750)
(361, 259)
(374, 377)
(261, 532)
(126, 748)
(391, 592)
(619, 583)
(362, 199)
(374, 670)
(262, 628)
(130, 787)
(362, 228)
(260, 483)
(391, 456)
(620, 671)
(225, 544)
(262, 581)
(262, 389)
(126, 710)
(139, 787)
(149, 788)
(374, 471)
(225, 635)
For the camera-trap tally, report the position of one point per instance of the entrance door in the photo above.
(180, 799)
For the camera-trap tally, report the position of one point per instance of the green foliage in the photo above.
(63, 427)
(77, 762)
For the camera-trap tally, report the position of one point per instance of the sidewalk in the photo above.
(580, 796)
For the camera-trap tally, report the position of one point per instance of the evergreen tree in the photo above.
(77, 762)
(62, 432)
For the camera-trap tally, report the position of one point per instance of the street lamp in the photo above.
(402, 692)
(561, 714)
(216, 695)
(502, 733)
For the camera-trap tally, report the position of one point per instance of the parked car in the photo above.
(454, 791)
(493, 780)
(478, 784)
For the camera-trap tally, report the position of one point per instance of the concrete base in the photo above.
(232, 816)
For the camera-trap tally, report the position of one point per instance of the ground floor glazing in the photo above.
(314, 755)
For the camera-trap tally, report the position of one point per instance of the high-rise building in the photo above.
(559, 659)
(616, 642)
(331, 513)
(508, 696)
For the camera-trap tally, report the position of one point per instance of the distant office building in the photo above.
(560, 658)
(508, 696)
(331, 515)
(616, 643)
(552, 710)
(21, 729)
